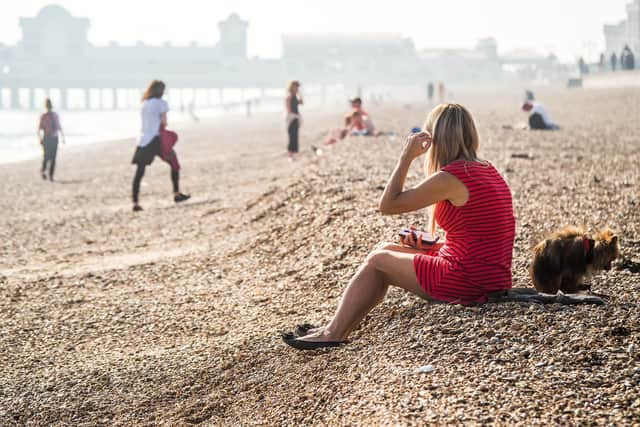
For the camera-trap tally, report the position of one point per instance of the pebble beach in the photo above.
(173, 315)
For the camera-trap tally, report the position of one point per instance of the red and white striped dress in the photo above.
(476, 256)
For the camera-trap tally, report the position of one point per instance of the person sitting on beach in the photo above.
(48, 130)
(154, 123)
(539, 119)
(470, 201)
(363, 125)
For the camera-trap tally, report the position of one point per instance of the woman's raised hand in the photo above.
(416, 145)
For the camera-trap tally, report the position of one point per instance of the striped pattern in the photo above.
(476, 256)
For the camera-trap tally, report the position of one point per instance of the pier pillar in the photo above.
(2, 106)
(64, 99)
(32, 99)
(87, 99)
(14, 101)
(114, 99)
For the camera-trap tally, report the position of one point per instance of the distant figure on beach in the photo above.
(361, 120)
(338, 134)
(539, 118)
(430, 92)
(473, 261)
(442, 92)
(529, 96)
(48, 130)
(154, 141)
(294, 119)
(582, 66)
(614, 61)
(627, 60)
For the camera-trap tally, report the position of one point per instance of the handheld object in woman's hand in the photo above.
(427, 238)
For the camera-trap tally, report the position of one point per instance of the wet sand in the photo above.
(172, 315)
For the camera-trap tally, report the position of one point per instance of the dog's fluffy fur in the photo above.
(560, 263)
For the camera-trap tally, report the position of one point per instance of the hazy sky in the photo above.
(567, 27)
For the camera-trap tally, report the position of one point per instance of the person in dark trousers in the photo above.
(154, 121)
(48, 130)
(627, 61)
(294, 119)
(614, 61)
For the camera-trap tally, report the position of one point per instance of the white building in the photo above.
(625, 32)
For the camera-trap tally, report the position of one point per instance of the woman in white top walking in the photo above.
(154, 121)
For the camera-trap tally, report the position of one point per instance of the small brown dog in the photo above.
(562, 260)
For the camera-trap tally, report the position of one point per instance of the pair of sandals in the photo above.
(291, 339)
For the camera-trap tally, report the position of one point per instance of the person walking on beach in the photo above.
(294, 119)
(430, 92)
(614, 61)
(151, 143)
(474, 261)
(48, 130)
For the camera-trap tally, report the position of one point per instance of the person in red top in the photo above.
(48, 130)
(469, 200)
(363, 125)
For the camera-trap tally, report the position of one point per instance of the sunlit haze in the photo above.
(568, 28)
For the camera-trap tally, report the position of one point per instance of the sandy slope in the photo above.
(172, 316)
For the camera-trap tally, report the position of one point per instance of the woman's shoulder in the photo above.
(464, 167)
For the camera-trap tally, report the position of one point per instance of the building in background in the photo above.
(55, 55)
(625, 32)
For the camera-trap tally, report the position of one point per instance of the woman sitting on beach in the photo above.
(471, 202)
(154, 122)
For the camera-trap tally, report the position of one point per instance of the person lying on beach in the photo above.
(150, 145)
(469, 200)
(338, 134)
(539, 118)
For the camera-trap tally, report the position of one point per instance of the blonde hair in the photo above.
(291, 84)
(454, 137)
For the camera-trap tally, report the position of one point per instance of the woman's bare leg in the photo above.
(367, 288)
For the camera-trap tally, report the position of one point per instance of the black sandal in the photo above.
(303, 329)
(292, 341)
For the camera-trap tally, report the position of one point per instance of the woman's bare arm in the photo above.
(437, 187)
(163, 118)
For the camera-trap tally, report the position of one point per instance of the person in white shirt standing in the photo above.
(154, 121)
(539, 118)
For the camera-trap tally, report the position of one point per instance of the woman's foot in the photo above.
(137, 208)
(44, 175)
(305, 329)
(320, 339)
(181, 197)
